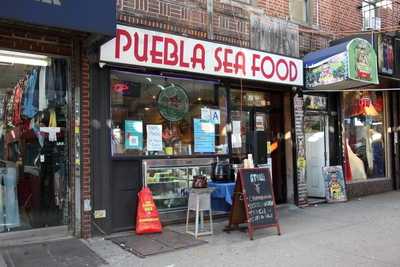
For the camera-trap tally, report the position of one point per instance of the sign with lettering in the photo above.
(254, 201)
(335, 190)
(134, 46)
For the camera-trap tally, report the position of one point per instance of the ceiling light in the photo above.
(11, 57)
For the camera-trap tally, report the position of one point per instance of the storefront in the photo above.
(167, 108)
(41, 61)
(345, 105)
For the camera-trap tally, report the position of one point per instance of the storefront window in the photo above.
(245, 104)
(34, 185)
(364, 135)
(154, 115)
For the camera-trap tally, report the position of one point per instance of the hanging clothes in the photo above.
(2, 221)
(11, 209)
(18, 91)
(9, 110)
(31, 95)
(56, 82)
(42, 89)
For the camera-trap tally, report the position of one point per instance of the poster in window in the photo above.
(212, 115)
(236, 137)
(334, 184)
(204, 136)
(154, 137)
(260, 119)
(173, 102)
(386, 55)
(133, 134)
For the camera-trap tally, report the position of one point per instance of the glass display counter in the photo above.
(170, 180)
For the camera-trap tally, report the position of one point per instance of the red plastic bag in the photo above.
(147, 219)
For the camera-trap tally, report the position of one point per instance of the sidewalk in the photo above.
(364, 232)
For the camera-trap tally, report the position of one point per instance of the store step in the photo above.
(34, 236)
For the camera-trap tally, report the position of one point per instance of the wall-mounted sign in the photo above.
(173, 102)
(362, 61)
(385, 54)
(134, 46)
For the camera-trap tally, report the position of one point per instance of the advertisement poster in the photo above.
(385, 54)
(133, 134)
(154, 137)
(204, 136)
(332, 70)
(362, 61)
(334, 184)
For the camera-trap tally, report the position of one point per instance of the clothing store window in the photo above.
(154, 116)
(364, 135)
(33, 141)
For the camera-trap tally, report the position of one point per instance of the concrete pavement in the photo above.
(364, 232)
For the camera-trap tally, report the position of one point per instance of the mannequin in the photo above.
(356, 164)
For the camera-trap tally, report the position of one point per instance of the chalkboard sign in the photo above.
(253, 201)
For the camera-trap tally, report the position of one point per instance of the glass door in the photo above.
(317, 145)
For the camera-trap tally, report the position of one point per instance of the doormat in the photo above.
(152, 244)
(68, 252)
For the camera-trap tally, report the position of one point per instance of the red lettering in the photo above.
(128, 44)
(170, 57)
(293, 71)
(142, 57)
(267, 75)
(218, 59)
(284, 77)
(199, 59)
(156, 56)
(253, 67)
(240, 61)
(227, 65)
(182, 63)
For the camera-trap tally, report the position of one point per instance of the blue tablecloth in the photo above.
(222, 191)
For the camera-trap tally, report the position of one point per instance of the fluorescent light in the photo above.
(12, 57)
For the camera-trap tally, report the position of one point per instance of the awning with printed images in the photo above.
(346, 65)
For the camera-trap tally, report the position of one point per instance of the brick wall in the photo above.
(85, 146)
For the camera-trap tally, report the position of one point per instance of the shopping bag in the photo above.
(147, 219)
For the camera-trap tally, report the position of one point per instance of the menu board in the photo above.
(254, 201)
(260, 202)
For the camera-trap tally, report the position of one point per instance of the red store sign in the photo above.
(135, 46)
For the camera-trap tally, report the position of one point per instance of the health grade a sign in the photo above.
(135, 46)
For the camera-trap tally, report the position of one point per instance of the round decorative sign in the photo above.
(173, 102)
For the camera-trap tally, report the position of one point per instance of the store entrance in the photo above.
(262, 135)
(317, 152)
(34, 184)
